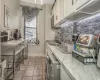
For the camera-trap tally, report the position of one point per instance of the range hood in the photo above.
(88, 9)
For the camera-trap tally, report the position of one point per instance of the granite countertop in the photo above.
(13, 42)
(75, 69)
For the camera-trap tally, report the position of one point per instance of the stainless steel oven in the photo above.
(52, 67)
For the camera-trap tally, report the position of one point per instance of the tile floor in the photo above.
(32, 69)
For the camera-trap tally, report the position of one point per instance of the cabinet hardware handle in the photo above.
(72, 2)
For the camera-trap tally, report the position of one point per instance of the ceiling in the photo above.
(48, 1)
(39, 1)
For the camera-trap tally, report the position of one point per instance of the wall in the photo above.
(14, 17)
(49, 32)
(37, 50)
(43, 29)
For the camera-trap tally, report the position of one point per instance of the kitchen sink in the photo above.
(53, 43)
(65, 49)
(62, 49)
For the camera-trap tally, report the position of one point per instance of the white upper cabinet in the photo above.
(74, 9)
(52, 11)
(60, 10)
(68, 7)
(80, 3)
(55, 14)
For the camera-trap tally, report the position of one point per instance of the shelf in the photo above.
(8, 73)
(14, 54)
(4, 36)
(10, 52)
(12, 43)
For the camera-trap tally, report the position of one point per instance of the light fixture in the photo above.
(41, 2)
(35, 1)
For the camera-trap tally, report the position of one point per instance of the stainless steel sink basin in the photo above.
(63, 49)
(53, 43)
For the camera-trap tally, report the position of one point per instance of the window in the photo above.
(30, 31)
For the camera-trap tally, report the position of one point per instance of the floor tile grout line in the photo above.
(42, 64)
(24, 70)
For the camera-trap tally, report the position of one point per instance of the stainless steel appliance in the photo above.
(52, 67)
(85, 51)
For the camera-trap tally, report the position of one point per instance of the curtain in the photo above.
(29, 12)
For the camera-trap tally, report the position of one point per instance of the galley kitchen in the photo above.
(49, 39)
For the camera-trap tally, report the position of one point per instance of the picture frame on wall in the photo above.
(6, 16)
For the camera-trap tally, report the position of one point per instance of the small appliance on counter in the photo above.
(4, 36)
(85, 51)
(16, 34)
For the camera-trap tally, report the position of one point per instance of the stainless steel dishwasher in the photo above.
(52, 67)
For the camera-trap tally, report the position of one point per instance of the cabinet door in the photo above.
(60, 10)
(68, 7)
(80, 3)
(52, 11)
(64, 75)
(55, 15)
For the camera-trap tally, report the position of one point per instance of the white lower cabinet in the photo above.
(64, 75)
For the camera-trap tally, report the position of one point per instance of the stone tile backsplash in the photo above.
(90, 25)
